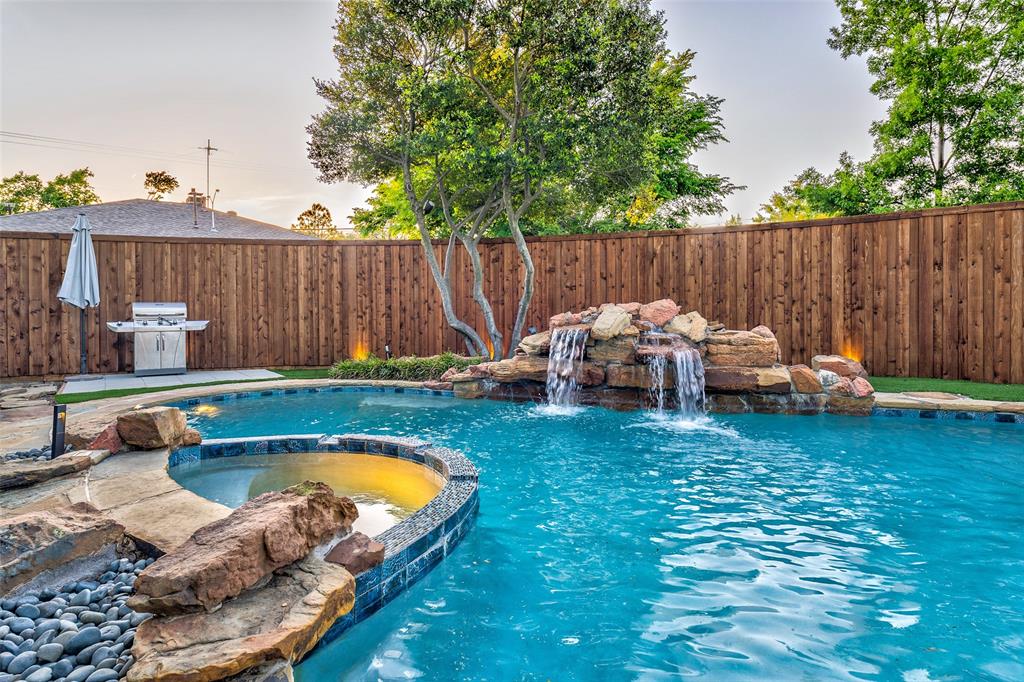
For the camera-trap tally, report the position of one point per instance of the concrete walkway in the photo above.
(87, 383)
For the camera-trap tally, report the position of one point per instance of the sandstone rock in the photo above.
(741, 349)
(773, 380)
(827, 378)
(727, 404)
(612, 321)
(191, 437)
(449, 373)
(356, 553)
(862, 388)
(49, 539)
(535, 344)
(20, 473)
(842, 387)
(469, 389)
(633, 308)
(629, 376)
(805, 380)
(279, 622)
(843, 366)
(850, 405)
(517, 368)
(659, 312)
(438, 385)
(108, 440)
(631, 330)
(620, 349)
(589, 374)
(763, 331)
(229, 556)
(564, 320)
(692, 326)
(152, 427)
(730, 379)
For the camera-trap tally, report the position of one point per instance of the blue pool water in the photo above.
(614, 546)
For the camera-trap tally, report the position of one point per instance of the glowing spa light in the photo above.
(207, 410)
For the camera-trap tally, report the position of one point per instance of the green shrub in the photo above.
(408, 368)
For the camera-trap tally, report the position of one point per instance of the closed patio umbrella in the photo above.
(81, 285)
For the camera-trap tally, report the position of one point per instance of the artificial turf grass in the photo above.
(971, 389)
(301, 373)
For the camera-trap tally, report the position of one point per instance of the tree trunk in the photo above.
(442, 277)
(528, 274)
(497, 340)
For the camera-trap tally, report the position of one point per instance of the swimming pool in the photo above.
(616, 546)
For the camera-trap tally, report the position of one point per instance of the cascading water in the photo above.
(689, 381)
(564, 360)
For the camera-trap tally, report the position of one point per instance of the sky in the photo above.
(134, 86)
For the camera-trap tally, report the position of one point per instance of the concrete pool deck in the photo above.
(88, 383)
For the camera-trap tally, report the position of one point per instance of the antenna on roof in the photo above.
(195, 207)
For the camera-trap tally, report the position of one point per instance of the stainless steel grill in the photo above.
(159, 336)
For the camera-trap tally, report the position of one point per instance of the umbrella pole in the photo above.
(81, 319)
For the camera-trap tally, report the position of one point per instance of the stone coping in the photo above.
(411, 548)
(931, 405)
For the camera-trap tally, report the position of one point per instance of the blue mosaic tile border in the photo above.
(952, 415)
(412, 547)
(266, 393)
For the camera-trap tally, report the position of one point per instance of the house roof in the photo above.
(148, 218)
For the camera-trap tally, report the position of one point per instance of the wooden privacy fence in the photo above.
(936, 293)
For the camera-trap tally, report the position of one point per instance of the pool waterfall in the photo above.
(687, 375)
(564, 360)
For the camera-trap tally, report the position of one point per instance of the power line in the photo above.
(66, 144)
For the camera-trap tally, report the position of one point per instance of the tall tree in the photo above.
(21, 193)
(482, 109)
(316, 221)
(953, 71)
(159, 184)
(72, 189)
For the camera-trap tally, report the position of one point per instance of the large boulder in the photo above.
(109, 439)
(843, 366)
(564, 320)
(862, 388)
(152, 427)
(517, 368)
(730, 379)
(691, 326)
(612, 321)
(224, 558)
(659, 312)
(630, 376)
(357, 553)
(805, 380)
(280, 622)
(46, 540)
(621, 349)
(20, 473)
(535, 344)
(773, 380)
(741, 349)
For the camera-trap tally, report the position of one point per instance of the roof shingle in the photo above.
(148, 218)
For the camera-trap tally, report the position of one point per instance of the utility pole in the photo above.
(208, 149)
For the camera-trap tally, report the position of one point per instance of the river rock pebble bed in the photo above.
(82, 632)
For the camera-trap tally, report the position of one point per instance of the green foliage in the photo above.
(72, 189)
(953, 72)
(22, 193)
(159, 184)
(316, 221)
(388, 215)
(404, 369)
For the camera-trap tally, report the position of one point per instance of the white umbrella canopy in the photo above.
(81, 285)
